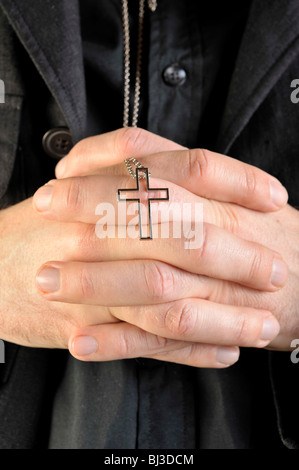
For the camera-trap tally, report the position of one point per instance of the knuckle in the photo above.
(242, 330)
(191, 353)
(198, 163)
(140, 343)
(73, 196)
(203, 249)
(255, 265)
(84, 245)
(125, 345)
(180, 319)
(199, 355)
(249, 182)
(159, 280)
(128, 140)
(248, 330)
(85, 235)
(157, 343)
(230, 220)
(86, 284)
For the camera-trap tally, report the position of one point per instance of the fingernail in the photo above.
(279, 273)
(84, 345)
(48, 279)
(60, 168)
(42, 198)
(278, 193)
(227, 356)
(270, 329)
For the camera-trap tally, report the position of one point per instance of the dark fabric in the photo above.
(207, 50)
(27, 384)
(77, 425)
(269, 45)
(9, 127)
(45, 27)
(50, 400)
(135, 404)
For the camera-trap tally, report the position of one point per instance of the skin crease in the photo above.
(28, 318)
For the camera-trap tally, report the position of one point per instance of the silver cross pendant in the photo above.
(134, 194)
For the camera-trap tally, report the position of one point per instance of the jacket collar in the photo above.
(56, 49)
(270, 42)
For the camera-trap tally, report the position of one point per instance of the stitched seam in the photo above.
(269, 71)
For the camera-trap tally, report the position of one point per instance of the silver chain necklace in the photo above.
(139, 172)
(152, 4)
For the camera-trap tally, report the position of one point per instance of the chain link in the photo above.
(126, 33)
(127, 64)
(130, 169)
(152, 4)
(138, 65)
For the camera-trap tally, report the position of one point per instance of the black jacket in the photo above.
(145, 404)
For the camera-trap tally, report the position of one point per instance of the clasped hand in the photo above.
(114, 298)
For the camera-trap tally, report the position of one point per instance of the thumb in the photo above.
(110, 149)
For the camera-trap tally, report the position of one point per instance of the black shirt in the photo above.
(202, 37)
(146, 403)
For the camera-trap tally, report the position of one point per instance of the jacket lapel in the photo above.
(50, 32)
(270, 42)
(56, 49)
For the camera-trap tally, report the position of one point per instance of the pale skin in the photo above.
(194, 308)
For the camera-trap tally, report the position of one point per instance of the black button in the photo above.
(57, 142)
(174, 75)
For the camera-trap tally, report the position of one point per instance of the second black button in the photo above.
(174, 75)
